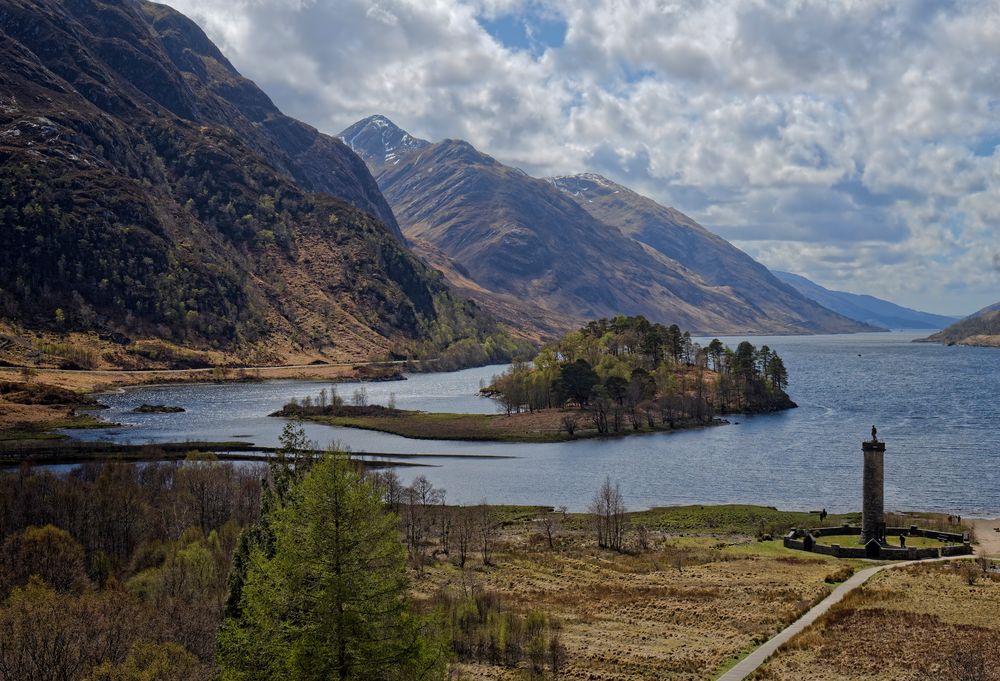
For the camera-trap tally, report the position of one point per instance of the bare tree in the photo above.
(549, 523)
(570, 423)
(642, 538)
(488, 531)
(444, 521)
(388, 483)
(608, 508)
(465, 533)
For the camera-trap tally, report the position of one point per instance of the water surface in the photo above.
(936, 407)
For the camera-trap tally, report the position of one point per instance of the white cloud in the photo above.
(851, 141)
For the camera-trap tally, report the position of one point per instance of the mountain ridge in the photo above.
(498, 233)
(981, 329)
(865, 308)
(681, 239)
(152, 192)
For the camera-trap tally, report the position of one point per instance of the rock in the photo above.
(157, 409)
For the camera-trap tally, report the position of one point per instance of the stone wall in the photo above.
(800, 539)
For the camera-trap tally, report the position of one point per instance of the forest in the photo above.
(297, 569)
(625, 371)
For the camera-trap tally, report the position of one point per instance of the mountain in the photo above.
(150, 191)
(981, 328)
(380, 142)
(534, 254)
(715, 260)
(864, 308)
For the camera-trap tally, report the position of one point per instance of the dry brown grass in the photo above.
(683, 610)
(905, 624)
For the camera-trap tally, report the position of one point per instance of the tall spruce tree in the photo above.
(330, 602)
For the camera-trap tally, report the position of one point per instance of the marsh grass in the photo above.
(684, 609)
(917, 622)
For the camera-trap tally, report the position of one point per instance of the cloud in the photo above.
(854, 141)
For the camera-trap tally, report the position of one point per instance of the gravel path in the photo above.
(751, 662)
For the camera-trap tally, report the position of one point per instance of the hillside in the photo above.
(981, 328)
(714, 259)
(534, 255)
(864, 308)
(151, 192)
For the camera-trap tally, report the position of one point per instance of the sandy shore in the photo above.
(87, 381)
(989, 538)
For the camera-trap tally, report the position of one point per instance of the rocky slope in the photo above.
(537, 254)
(715, 260)
(150, 191)
(380, 142)
(981, 328)
(864, 308)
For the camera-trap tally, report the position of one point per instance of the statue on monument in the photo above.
(874, 434)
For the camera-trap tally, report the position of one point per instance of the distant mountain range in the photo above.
(981, 328)
(865, 308)
(550, 254)
(152, 191)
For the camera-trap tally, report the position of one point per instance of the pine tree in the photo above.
(331, 602)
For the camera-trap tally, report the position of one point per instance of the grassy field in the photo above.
(740, 519)
(702, 595)
(539, 426)
(919, 622)
(853, 540)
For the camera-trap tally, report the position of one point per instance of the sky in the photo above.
(853, 141)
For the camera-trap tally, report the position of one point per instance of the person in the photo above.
(822, 516)
(874, 434)
(902, 541)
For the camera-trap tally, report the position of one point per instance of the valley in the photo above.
(480, 399)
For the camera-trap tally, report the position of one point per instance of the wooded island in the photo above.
(612, 376)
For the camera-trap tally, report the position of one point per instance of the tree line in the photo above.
(629, 372)
(201, 570)
(115, 569)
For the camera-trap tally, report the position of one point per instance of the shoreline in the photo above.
(49, 452)
(80, 387)
(538, 427)
(97, 380)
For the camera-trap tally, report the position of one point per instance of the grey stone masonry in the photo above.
(873, 492)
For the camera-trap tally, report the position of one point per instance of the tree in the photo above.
(51, 636)
(715, 350)
(465, 533)
(151, 662)
(600, 405)
(608, 509)
(578, 380)
(488, 531)
(745, 360)
(293, 460)
(46, 552)
(569, 423)
(616, 387)
(776, 372)
(549, 523)
(331, 603)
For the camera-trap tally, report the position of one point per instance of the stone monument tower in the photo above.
(873, 494)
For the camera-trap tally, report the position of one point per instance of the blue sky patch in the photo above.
(532, 30)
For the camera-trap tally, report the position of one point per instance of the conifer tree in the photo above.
(331, 602)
